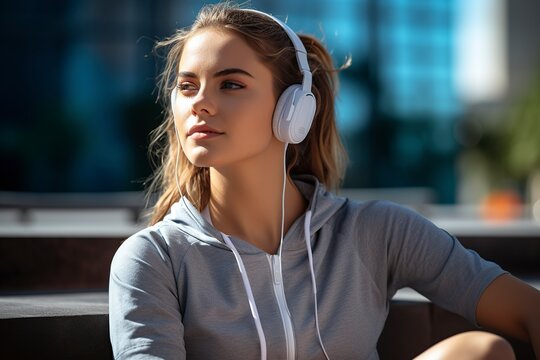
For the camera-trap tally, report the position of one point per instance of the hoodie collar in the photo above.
(322, 203)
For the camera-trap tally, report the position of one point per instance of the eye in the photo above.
(231, 85)
(186, 87)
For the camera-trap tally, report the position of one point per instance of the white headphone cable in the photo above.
(307, 234)
(283, 204)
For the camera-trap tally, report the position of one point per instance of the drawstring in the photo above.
(249, 292)
(251, 298)
(307, 223)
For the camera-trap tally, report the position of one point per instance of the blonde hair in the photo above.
(321, 154)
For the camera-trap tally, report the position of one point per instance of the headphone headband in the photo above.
(300, 49)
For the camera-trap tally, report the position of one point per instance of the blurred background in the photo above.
(442, 95)
(440, 111)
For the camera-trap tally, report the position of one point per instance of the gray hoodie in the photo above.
(176, 290)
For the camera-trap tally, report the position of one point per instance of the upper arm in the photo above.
(434, 263)
(144, 313)
(512, 307)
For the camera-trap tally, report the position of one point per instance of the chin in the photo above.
(205, 160)
(198, 156)
(200, 162)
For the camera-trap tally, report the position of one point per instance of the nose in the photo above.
(203, 103)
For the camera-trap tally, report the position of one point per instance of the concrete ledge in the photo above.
(54, 305)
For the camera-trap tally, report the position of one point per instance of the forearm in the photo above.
(533, 330)
(512, 307)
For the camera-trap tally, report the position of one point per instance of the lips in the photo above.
(203, 131)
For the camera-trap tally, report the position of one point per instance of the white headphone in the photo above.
(296, 106)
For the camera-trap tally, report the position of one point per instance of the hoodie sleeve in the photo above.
(428, 259)
(144, 314)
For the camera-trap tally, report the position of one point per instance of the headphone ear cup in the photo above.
(282, 113)
(293, 115)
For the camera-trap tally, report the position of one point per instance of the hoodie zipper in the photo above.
(279, 292)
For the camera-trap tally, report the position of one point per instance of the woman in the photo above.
(248, 256)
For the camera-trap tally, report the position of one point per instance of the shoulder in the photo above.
(162, 236)
(368, 221)
(380, 212)
(155, 245)
(384, 223)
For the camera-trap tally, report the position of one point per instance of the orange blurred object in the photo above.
(501, 205)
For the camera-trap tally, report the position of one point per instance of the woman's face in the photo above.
(224, 101)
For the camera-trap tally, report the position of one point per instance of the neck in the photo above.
(245, 201)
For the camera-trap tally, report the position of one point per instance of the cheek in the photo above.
(181, 139)
(257, 120)
(177, 132)
(254, 131)
(181, 113)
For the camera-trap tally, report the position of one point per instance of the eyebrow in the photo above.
(223, 72)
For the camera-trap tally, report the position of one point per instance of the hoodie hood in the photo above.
(322, 204)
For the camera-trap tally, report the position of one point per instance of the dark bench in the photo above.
(75, 326)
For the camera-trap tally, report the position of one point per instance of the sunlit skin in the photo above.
(222, 84)
(227, 96)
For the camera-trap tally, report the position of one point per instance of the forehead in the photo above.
(212, 49)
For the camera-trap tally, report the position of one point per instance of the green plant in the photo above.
(521, 135)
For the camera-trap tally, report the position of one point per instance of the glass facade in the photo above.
(79, 89)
